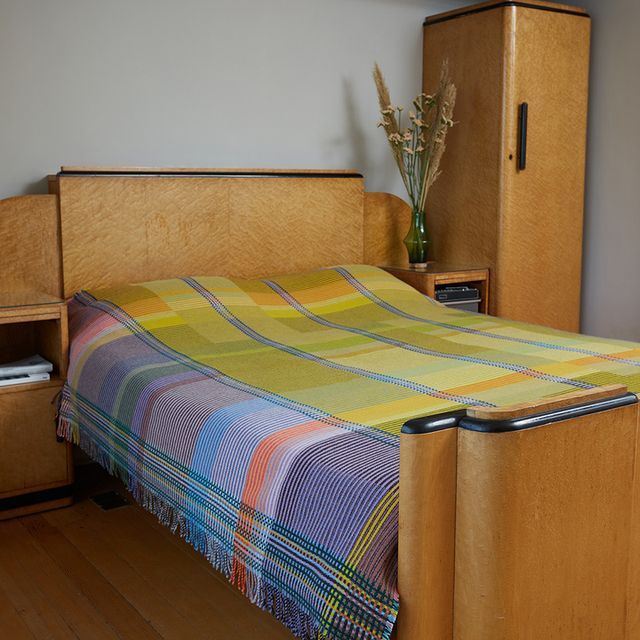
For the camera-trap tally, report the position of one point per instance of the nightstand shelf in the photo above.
(428, 279)
(36, 471)
(53, 382)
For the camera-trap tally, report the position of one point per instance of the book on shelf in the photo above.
(32, 369)
(24, 378)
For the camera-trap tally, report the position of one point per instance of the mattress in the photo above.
(260, 418)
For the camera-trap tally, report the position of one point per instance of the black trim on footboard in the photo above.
(431, 424)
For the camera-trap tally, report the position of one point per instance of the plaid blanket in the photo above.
(261, 418)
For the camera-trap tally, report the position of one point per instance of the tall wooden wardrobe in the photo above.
(511, 195)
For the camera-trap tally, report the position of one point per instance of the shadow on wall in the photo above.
(37, 187)
(355, 141)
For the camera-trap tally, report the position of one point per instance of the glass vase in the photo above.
(417, 240)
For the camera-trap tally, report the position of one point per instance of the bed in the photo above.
(344, 449)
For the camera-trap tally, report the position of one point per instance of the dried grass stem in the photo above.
(418, 148)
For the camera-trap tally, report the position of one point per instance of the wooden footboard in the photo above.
(521, 523)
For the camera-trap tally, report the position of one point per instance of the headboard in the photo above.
(121, 225)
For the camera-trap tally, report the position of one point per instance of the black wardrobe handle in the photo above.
(523, 118)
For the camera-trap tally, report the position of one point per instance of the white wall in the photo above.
(611, 288)
(284, 83)
(219, 83)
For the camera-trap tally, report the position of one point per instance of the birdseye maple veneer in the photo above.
(518, 523)
(511, 193)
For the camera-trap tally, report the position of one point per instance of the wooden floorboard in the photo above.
(38, 613)
(45, 588)
(82, 572)
(11, 623)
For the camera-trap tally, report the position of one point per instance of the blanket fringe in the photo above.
(251, 585)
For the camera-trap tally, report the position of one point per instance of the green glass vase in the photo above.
(417, 239)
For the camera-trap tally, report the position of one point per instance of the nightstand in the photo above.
(36, 471)
(435, 275)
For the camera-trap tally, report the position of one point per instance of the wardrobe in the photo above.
(511, 193)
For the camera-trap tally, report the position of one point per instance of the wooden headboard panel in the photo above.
(30, 245)
(130, 225)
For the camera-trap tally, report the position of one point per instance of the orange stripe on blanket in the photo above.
(255, 481)
(488, 385)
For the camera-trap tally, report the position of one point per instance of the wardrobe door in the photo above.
(540, 252)
(511, 194)
(463, 206)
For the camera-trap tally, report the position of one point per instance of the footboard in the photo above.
(520, 523)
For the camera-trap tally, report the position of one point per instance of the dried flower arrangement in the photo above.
(418, 148)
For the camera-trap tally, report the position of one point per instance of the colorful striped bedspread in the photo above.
(261, 418)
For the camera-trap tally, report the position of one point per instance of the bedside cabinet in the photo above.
(36, 471)
(436, 275)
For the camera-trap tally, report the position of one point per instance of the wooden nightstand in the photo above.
(36, 471)
(436, 274)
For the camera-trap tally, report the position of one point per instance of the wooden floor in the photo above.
(82, 572)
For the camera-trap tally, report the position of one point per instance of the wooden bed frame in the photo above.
(515, 524)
